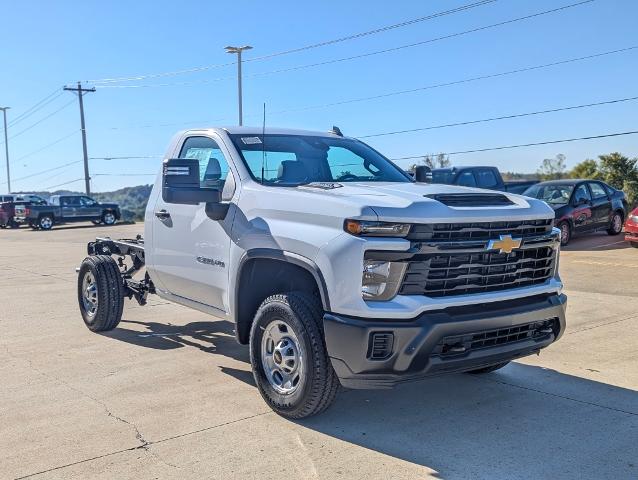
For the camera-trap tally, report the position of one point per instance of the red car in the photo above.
(631, 228)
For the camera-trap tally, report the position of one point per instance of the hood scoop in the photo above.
(472, 199)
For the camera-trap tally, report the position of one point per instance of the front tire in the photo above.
(108, 218)
(634, 244)
(100, 293)
(615, 228)
(289, 358)
(491, 368)
(565, 233)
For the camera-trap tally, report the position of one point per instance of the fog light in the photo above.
(381, 279)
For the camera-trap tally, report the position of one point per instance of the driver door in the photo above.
(192, 251)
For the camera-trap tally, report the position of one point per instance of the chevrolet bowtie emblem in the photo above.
(505, 244)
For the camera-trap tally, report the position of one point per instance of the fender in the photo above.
(289, 257)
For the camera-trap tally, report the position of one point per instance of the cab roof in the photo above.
(269, 131)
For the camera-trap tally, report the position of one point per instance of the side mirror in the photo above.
(423, 174)
(181, 185)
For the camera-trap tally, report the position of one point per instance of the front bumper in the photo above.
(416, 345)
(631, 231)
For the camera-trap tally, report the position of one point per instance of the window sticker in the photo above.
(251, 140)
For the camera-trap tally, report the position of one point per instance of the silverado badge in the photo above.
(505, 244)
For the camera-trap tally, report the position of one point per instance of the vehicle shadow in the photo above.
(598, 241)
(520, 422)
(210, 337)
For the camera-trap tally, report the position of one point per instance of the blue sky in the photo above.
(47, 44)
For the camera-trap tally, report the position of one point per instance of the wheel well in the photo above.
(261, 277)
(46, 214)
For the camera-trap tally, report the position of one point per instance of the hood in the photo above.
(423, 202)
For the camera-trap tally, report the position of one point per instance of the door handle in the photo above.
(162, 214)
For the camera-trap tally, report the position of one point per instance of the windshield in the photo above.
(291, 160)
(552, 194)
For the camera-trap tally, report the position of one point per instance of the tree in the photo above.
(440, 160)
(553, 168)
(587, 169)
(617, 169)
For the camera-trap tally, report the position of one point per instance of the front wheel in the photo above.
(565, 233)
(634, 244)
(100, 293)
(108, 218)
(616, 224)
(289, 358)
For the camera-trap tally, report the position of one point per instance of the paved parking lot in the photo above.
(169, 394)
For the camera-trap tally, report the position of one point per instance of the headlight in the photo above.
(633, 218)
(381, 280)
(376, 229)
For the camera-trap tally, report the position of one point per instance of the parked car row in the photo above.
(583, 206)
(33, 210)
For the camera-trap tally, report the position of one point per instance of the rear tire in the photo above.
(491, 368)
(288, 356)
(100, 293)
(565, 233)
(45, 222)
(615, 228)
(634, 244)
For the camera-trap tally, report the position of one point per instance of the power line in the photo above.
(456, 82)
(125, 158)
(37, 107)
(45, 171)
(356, 57)
(504, 117)
(41, 120)
(547, 142)
(65, 183)
(299, 49)
(47, 146)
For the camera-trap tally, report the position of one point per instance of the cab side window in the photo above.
(213, 167)
(466, 179)
(487, 179)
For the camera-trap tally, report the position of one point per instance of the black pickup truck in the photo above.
(482, 177)
(68, 208)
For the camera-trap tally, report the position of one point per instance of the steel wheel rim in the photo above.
(282, 357)
(617, 223)
(564, 233)
(89, 294)
(109, 218)
(46, 222)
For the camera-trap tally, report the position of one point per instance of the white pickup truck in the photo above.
(334, 265)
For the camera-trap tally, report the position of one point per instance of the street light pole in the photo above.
(6, 146)
(238, 51)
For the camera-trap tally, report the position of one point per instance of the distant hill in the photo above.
(132, 200)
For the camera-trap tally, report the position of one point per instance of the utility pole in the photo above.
(81, 91)
(6, 146)
(238, 51)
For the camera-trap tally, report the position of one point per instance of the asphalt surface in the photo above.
(169, 394)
